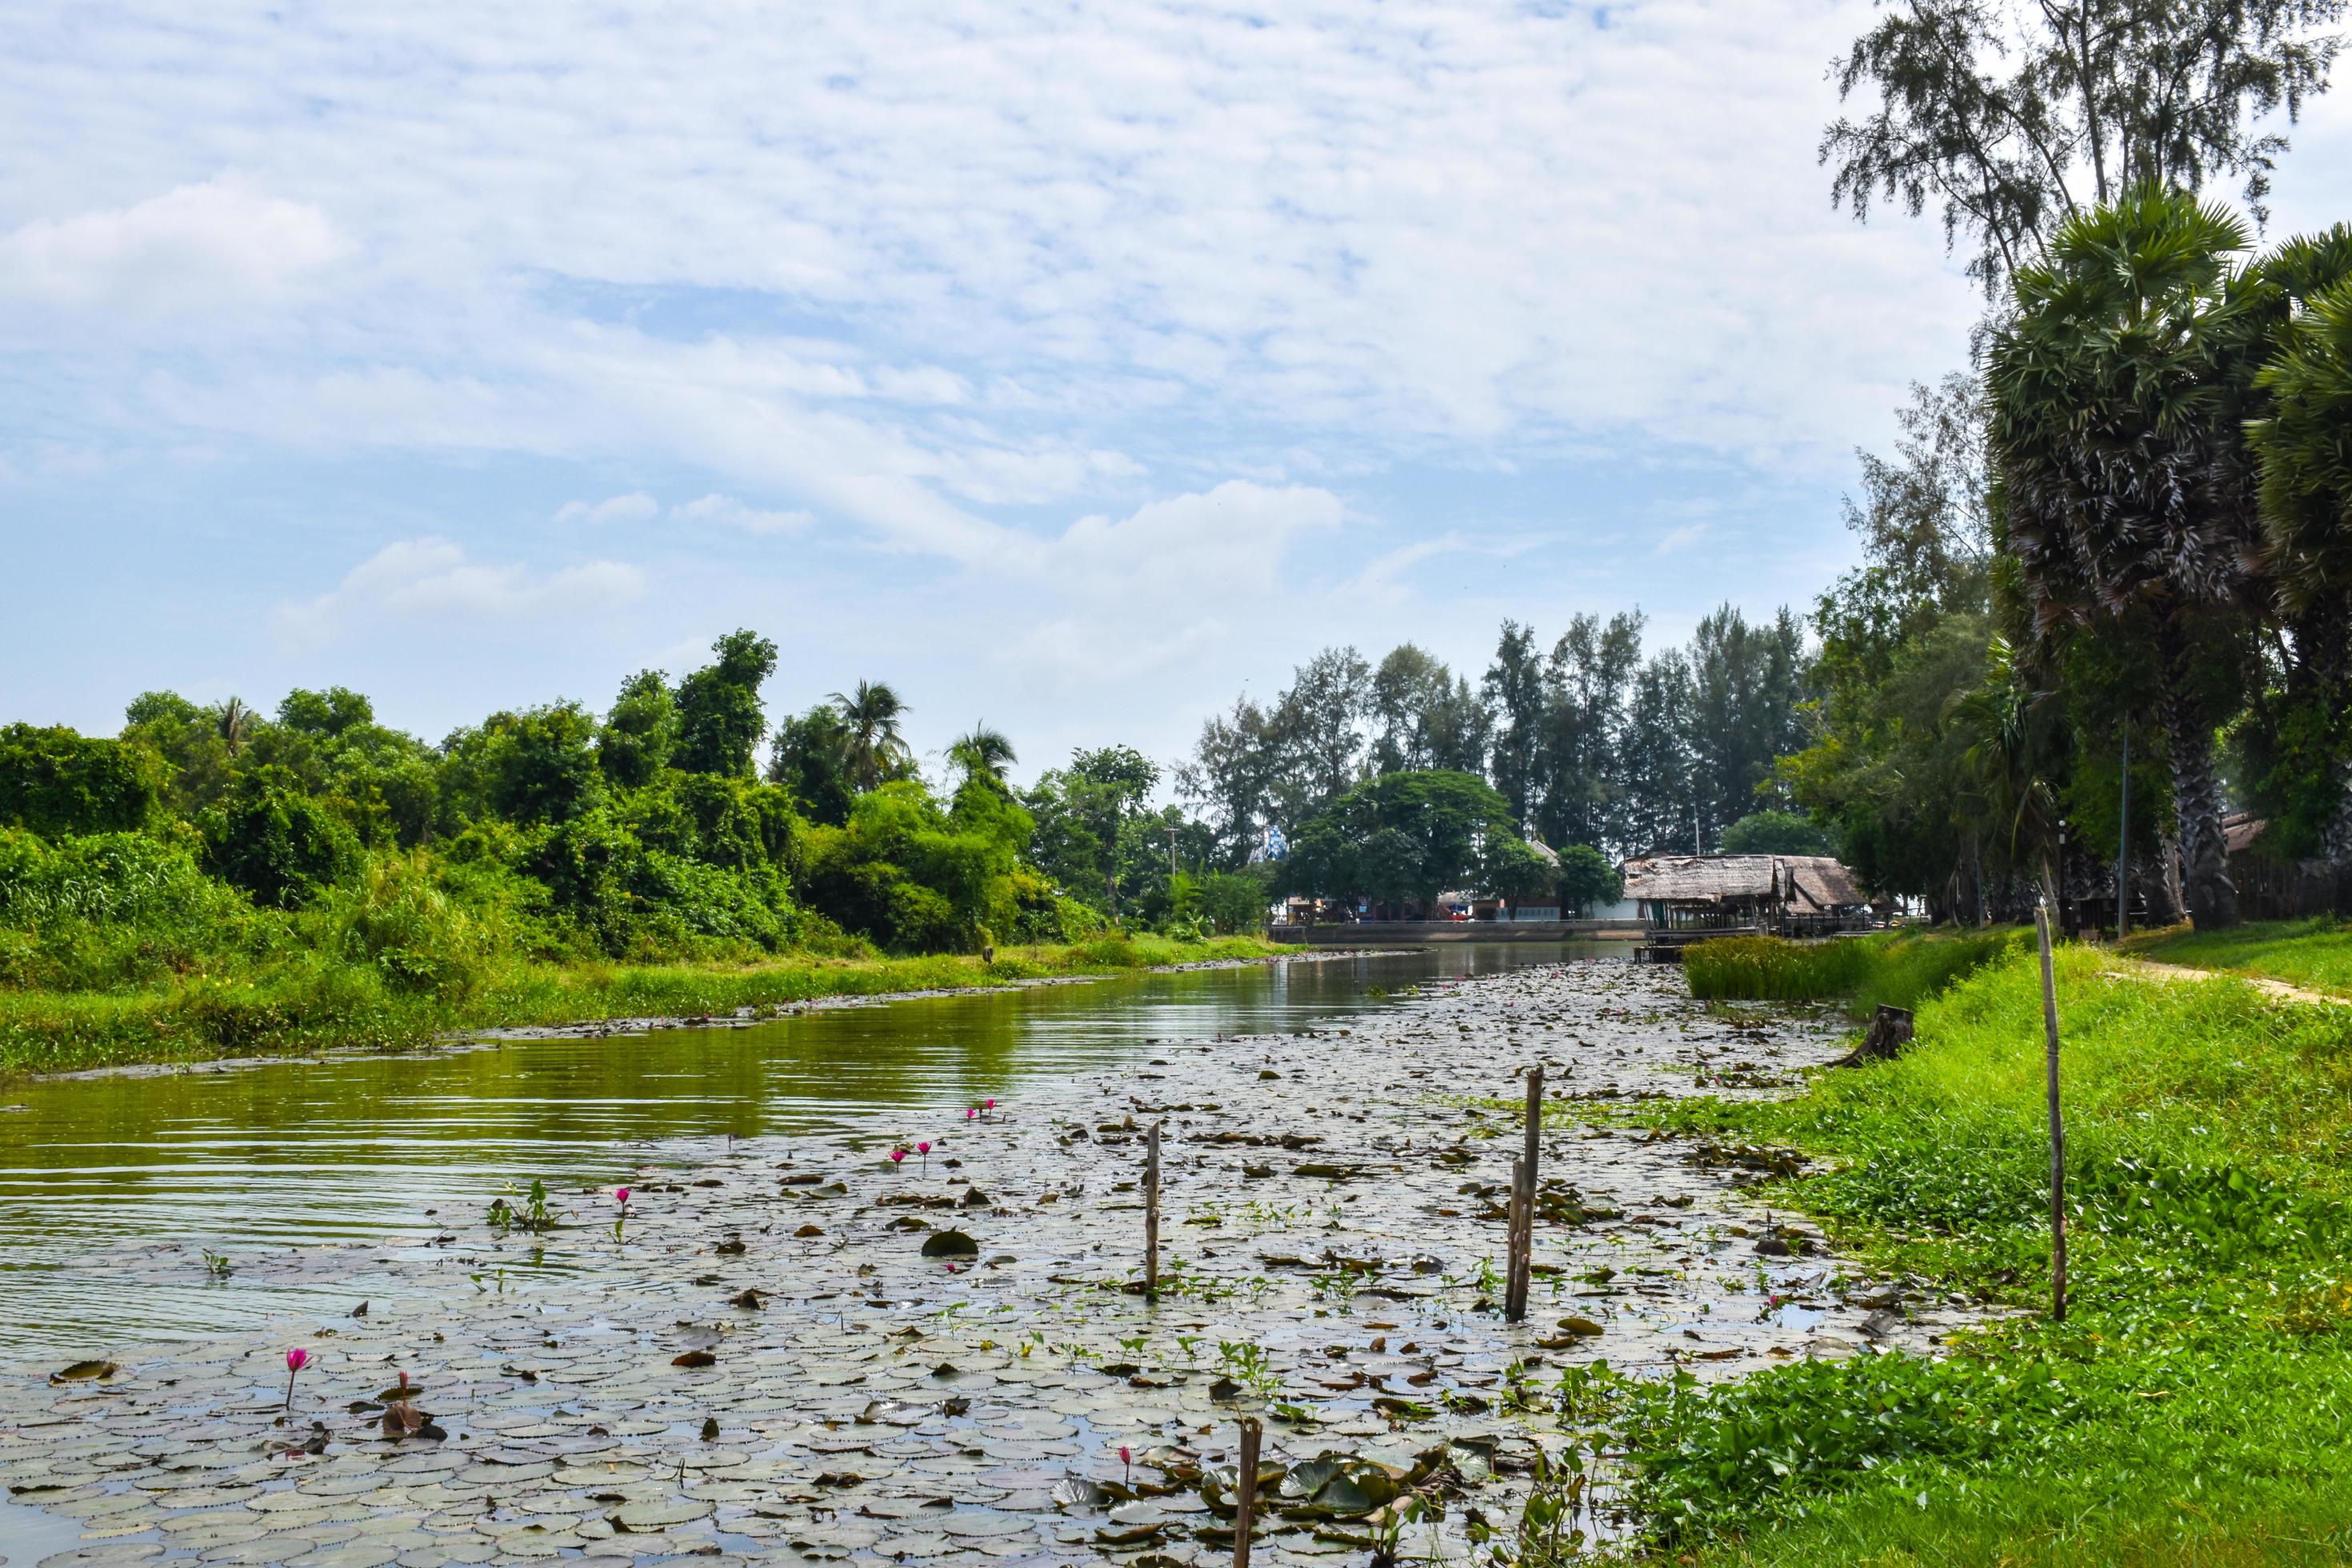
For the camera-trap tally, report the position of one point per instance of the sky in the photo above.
(1074, 368)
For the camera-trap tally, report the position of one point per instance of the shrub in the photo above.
(55, 781)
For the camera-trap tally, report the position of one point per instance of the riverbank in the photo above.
(2191, 1406)
(339, 1006)
(789, 1348)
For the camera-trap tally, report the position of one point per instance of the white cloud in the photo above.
(634, 507)
(1681, 538)
(219, 244)
(1232, 539)
(729, 513)
(418, 579)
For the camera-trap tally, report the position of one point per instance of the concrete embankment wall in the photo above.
(1391, 933)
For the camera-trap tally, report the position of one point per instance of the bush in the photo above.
(276, 843)
(56, 783)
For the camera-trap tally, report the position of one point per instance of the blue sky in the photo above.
(1071, 367)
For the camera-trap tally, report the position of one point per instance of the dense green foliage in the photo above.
(211, 879)
(2191, 1408)
(1586, 742)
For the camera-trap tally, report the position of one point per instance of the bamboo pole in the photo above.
(2057, 1124)
(1523, 1203)
(1151, 1215)
(1245, 1491)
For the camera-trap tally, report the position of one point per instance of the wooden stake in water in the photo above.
(1151, 1215)
(2057, 1125)
(1523, 1203)
(1246, 1490)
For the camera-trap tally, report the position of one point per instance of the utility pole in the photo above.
(1171, 851)
(2123, 845)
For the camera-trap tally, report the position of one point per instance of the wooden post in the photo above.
(2057, 1125)
(1151, 1215)
(1523, 1203)
(1245, 1491)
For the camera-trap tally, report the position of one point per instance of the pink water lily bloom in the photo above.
(897, 1155)
(620, 1196)
(296, 1360)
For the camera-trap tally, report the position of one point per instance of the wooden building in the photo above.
(1724, 895)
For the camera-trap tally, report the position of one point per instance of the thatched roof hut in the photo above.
(1741, 890)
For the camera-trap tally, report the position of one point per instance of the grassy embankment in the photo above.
(1898, 969)
(317, 1003)
(2312, 953)
(2193, 1408)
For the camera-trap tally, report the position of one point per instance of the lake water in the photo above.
(254, 1163)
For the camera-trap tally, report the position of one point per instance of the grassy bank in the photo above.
(1898, 969)
(2191, 1408)
(312, 1005)
(2316, 953)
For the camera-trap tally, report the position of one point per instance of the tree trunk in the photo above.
(2197, 803)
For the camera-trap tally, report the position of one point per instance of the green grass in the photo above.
(2193, 1407)
(2314, 953)
(311, 1003)
(1898, 969)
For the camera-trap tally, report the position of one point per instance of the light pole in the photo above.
(2122, 844)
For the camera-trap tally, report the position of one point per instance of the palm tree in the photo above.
(2008, 745)
(875, 746)
(233, 721)
(2122, 487)
(2306, 498)
(982, 751)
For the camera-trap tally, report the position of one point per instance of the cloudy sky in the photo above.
(1072, 367)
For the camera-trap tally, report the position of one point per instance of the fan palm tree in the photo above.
(981, 750)
(233, 721)
(2123, 489)
(876, 747)
(2306, 498)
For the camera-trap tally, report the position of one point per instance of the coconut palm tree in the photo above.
(981, 750)
(876, 747)
(2123, 491)
(233, 721)
(2009, 748)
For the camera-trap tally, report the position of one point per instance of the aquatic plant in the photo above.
(924, 1147)
(621, 1198)
(296, 1360)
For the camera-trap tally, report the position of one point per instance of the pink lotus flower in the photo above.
(296, 1360)
(897, 1155)
(1127, 1463)
(620, 1196)
(972, 1112)
(924, 1149)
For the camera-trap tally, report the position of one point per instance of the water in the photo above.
(257, 1163)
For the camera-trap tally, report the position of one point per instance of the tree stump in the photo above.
(1889, 1032)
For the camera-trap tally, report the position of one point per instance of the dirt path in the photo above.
(2155, 969)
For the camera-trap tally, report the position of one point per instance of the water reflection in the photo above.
(252, 1164)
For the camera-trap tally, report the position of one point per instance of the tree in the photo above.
(875, 750)
(1747, 696)
(276, 842)
(639, 734)
(1511, 868)
(233, 721)
(55, 781)
(1993, 114)
(1588, 682)
(547, 767)
(1774, 833)
(2123, 491)
(1229, 779)
(1317, 732)
(719, 719)
(1657, 763)
(321, 715)
(981, 751)
(2305, 497)
(1588, 877)
(1514, 691)
(810, 758)
(1450, 819)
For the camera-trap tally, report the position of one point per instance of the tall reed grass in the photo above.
(1899, 969)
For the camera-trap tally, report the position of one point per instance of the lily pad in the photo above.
(949, 1244)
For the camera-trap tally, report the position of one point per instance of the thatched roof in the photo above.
(1698, 878)
(1819, 882)
(1808, 882)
